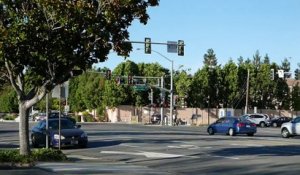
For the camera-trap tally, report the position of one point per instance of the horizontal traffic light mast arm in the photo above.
(160, 88)
(142, 42)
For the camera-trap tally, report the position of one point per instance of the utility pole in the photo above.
(247, 92)
(47, 120)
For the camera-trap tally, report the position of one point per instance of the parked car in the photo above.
(277, 122)
(71, 134)
(156, 118)
(232, 126)
(56, 115)
(291, 128)
(42, 116)
(261, 120)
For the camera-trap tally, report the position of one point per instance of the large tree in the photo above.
(42, 41)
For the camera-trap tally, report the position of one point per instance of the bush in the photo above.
(9, 117)
(77, 118)
(13, 156)
(45, 154)
(88, 117)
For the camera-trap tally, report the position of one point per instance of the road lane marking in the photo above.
(226, 157)
(146, 154)
(124, 144)
(250, 145)
(82, 157)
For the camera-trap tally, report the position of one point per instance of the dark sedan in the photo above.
(71, 134)
(277, 122)
(232, 126)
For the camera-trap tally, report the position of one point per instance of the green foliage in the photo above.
(41, 42)
(210, 58)
(14, 156)
(9, 117)
(88, 117)
(8, 100)
(43, 154)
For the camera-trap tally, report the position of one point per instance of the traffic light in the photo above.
(108, 74)
(148, 45)
(272, 74)
(130, 81)
(180, 47)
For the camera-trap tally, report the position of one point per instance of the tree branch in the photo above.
(12, 78)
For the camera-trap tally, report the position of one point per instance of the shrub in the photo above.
(77, 118)
(88, 117)
(9, 117)
(13, 156)
(45, 154)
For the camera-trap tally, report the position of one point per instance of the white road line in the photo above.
(251, 145)
(226, 157)
(146, 154)
(132, 146)
(82, 157)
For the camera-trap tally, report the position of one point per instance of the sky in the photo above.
(232, 28)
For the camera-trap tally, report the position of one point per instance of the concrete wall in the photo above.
(130, 114)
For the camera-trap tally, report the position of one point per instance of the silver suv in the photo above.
(261, 120)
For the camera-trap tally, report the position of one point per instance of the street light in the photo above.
(171, 88)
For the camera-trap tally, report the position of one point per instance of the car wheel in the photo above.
(275, 125)
(285, 133)
(34, 142)
(231, 132)
(211, 131)
(250, 134)
(262, 124)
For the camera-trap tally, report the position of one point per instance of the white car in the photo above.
(261, 120)
(291, 128)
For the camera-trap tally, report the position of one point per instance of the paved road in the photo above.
(139, 149)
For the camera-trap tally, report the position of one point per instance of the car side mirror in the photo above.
(78, 126)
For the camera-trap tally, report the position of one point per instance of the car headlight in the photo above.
(83, 135)
(56, 137)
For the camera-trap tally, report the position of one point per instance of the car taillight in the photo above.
(253, 124)
(241, 124)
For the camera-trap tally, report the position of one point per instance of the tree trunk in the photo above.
(24, 129)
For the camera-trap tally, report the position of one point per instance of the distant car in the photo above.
(232, 126)
(156, 118)
(42, 116)
(71, 134)
(261, 120)
(291, 128)
(277, 122)
(56, 115)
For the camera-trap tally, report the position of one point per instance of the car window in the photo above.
(296, 120)
(220, 120)
(65, 124)
(258, 116)
(42, 125)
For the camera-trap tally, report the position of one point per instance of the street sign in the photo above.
(172, 46)
(140, 88)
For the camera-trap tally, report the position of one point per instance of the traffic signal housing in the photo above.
(108, 74)
(148, 45)
(272, 74)
(180, 47)
(130, 80)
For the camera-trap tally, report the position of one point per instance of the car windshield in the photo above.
(65, 124)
